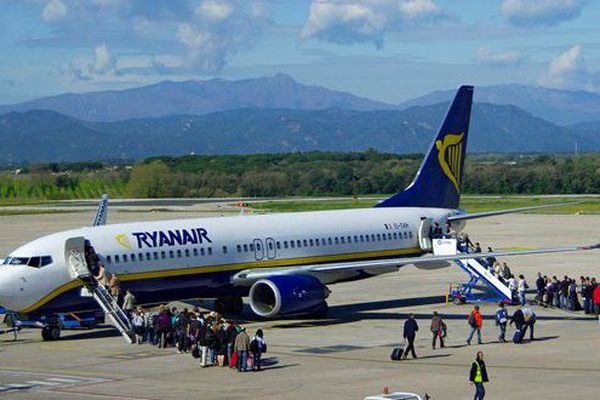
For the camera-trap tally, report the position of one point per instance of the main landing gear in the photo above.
(229, 305)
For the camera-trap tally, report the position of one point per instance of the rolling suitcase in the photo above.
(398, 351)
(518, 337)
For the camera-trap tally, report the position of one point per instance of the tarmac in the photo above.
(345, 356)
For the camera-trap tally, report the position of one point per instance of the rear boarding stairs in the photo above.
(478, 270)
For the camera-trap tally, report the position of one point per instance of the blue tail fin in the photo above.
(438, 181)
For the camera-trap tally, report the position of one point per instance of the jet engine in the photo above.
(288, 295)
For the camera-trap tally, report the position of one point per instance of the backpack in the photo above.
(501, 317)
(471, 320)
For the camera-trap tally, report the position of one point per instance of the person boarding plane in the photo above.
(283, 263)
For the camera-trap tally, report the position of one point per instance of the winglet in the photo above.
(102, 213)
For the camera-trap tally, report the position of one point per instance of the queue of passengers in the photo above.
(210, 339)
(568, 293)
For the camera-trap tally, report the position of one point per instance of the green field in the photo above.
(579, 204)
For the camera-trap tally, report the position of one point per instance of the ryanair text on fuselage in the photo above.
(176, 237)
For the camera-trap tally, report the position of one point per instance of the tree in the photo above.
(150, 180)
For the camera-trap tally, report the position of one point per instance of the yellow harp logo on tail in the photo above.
(450, 156)
(122, 239)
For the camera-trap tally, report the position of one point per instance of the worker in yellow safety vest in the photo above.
(478, 376)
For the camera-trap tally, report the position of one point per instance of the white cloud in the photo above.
(568, 71)
(54, 10)
(214, 10)
(351, 21)
(542, 12)
(103, 63)
(220, 28)
(487, 56)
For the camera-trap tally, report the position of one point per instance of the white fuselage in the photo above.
(197, 257)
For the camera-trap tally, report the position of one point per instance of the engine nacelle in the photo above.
(287, 295)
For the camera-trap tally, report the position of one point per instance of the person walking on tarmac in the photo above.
(475, 321)
(478, 376)
(410, 333)
(437, 330)
(501, 322)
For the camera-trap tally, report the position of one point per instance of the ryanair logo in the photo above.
(123, 241)
(450, 156)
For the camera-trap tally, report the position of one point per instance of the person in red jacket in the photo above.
(475, 320)
(596, 298)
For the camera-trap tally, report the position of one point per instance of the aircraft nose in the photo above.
(7, 291)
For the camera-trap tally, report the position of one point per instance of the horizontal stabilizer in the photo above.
(463, 217)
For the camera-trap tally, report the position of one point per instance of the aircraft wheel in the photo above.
(51, 332)
(231, 305)
(321, 312)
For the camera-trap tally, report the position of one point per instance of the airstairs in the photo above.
(79, 270)
(477, 268)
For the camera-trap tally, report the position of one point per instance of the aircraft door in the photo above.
(271, 249)
(75, 257)
(425, 234)
(259, 251)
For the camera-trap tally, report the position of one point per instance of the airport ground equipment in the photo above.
(479, 271)
(74, 253)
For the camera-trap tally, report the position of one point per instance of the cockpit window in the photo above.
(19, 261)
(36, 262)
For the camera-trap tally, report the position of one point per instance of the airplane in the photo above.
(283, 263)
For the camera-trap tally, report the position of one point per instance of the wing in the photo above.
(321, 271)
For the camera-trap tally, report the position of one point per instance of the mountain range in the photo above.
(562, 107)
(278, 114)
(49, 136)
(195, 98)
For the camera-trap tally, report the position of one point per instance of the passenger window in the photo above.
(270, 244)
(362, 238)
(148, 256)
(124, 257)
(317, 242)
(372, 237)
(239, 248)
(329, 241)
(155, 255)
(224, 249)
(186, 252)
(337, 240)
(395, 235)
(292, 244)
(278, 245)
(355, 239)
(366, 238)
(117, 258)
(378, 237)
(210, 251)
(285, 244)
(202, 251)
(195, 252)
(163, 255)
(311, 243)
(384, 236)
(410, 234)
(251, 246)
(171, 254)
(132, 257)
(389, 236)
(342, 240)
(405, 235)
(245, 248)
(108, 260)
(305, 243)
(258, 246)
(298, 243)
(141, 256)
(178, 253)
(349, 239)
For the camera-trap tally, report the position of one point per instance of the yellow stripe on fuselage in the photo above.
(286, 262)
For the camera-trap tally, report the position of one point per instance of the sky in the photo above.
(387, 50)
